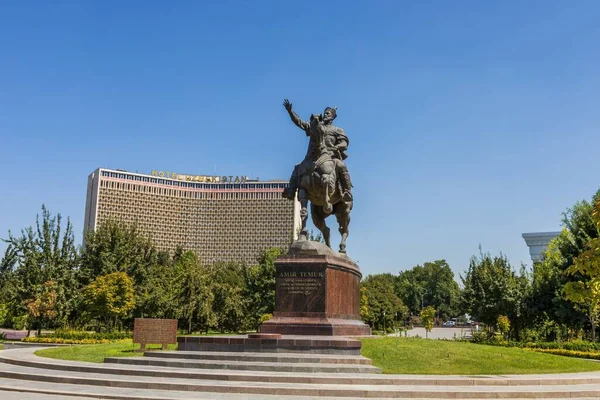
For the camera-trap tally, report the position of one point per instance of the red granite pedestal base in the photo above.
(317, 293)
(284, 344)
(315, 326)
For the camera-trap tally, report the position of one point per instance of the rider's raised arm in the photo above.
(299, 123)
(305, 126)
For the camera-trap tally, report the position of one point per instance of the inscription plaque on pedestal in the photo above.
(302, 287)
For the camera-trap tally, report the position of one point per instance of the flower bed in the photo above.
(79, 337)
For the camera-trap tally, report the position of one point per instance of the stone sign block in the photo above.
(154, 331)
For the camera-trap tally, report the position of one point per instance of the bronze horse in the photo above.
(317, 181)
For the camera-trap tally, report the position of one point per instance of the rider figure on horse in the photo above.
(336, 143)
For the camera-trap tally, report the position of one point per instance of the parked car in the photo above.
(449, 323)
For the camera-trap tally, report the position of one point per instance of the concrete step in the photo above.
(247, 365)
(261, 357)
(154, 384)
(13, 389)
(26, 358)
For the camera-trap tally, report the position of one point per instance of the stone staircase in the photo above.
(249, 375)
(292, 363)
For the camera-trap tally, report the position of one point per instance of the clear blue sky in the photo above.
(470, 122)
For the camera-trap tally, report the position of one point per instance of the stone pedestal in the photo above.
(317, 293)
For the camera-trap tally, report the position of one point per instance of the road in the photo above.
(439, 333)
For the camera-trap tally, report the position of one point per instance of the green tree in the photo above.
(585, 291)
(11, 304)
(43, 305)
(410, 287)
(161, 294)
(365, 311)
(492, 288)
(430, 284)
(195, 293)
(230, 304)
(41, 257)
(383, 303)
(109, 297)
(260, 286)
(548, 303)
(427, 316)
(120, 247)
(503, 324)
(586, 297)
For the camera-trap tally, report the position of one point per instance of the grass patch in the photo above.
(439, 357)
(96, 352)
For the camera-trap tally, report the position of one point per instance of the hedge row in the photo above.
(43, 339)
(576, 345)
(568, 353)
(84, 335)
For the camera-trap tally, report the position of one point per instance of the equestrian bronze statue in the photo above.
(322, 177)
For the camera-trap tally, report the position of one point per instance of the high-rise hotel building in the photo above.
(220, 218)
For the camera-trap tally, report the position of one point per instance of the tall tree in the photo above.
(42, 263)
(260, 286)
(109, 297)
(384, 306)
(492, 288)
(548, 303)
(230, 304)
(584, 292)
(119, 247)
(430, 284)
(195, 293)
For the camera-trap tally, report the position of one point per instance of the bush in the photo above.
(568, 353)
(3, 314)
(69, 335)
(576, 345)
(2, 337)
(264, 317)
(479, 337)
(19, 323)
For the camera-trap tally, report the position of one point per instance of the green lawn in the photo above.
(438, 357)
(394, 356)
(96, 352)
